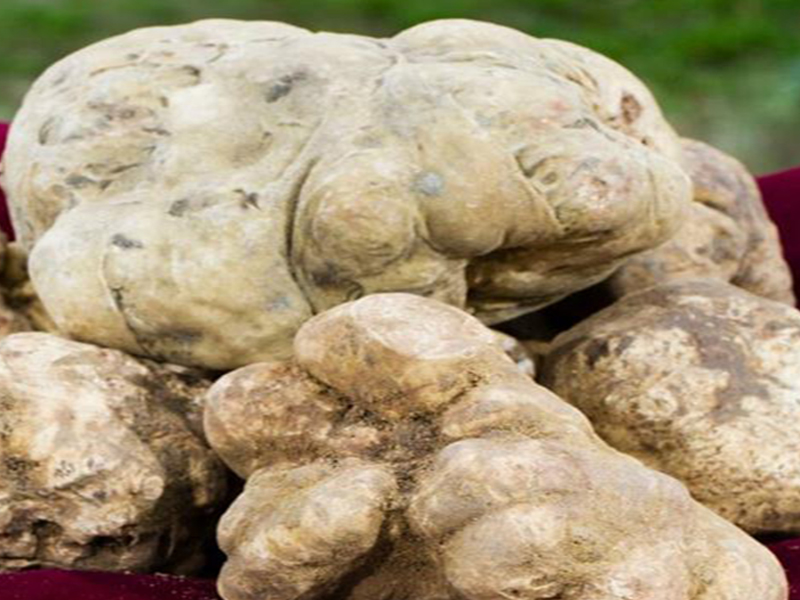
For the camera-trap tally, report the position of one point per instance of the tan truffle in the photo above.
(698, 379)
(99, 464)
(404, 455)
(457, 160)
(727, 236)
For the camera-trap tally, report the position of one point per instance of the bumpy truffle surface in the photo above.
(403, 455)
(727, 235)
(701, 380)
(102, 460)
(195, 193)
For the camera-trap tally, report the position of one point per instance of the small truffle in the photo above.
(102, 465)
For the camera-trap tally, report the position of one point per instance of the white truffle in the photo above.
(701, 380)
(195, 193)
(408, 457)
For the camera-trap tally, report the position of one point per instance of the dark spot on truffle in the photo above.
(550, 178)
(79, 181)
(179, 207)
(595, 350)
(46, 530)
(624, 343)
(18, 468)
(328, 276)
(156, 131)
(110, 543)
(122, 168)
(192, 72)
(121, 241)
(721, 250)
(429, 183)
(182, 206)
(631, 109)
(248, 199)
(544, 170)
(64, 469)
(46, 130)
(284, 86)
(278, 91)
(583, 124)
(280, 303)
(221, 50)
(61, 78)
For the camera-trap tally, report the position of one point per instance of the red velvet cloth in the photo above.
(5, 221)
(76, 585)
(788, 552)
(52, 584)
(782, 197)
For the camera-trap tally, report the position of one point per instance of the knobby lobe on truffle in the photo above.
(403, 455)
(195, 193)
(728, 235)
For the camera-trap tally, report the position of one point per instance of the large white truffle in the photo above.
(402, 454)
(195, 193)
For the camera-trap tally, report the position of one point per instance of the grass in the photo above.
(727, 71)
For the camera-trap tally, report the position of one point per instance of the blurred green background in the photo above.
(726, 71)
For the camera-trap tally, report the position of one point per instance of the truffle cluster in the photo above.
(252, 252)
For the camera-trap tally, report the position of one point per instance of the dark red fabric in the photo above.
(77, 585)
(782, 197)
(5, 221)
(781, 193)
(788, 552)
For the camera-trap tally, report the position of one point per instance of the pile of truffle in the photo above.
(261, 254)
